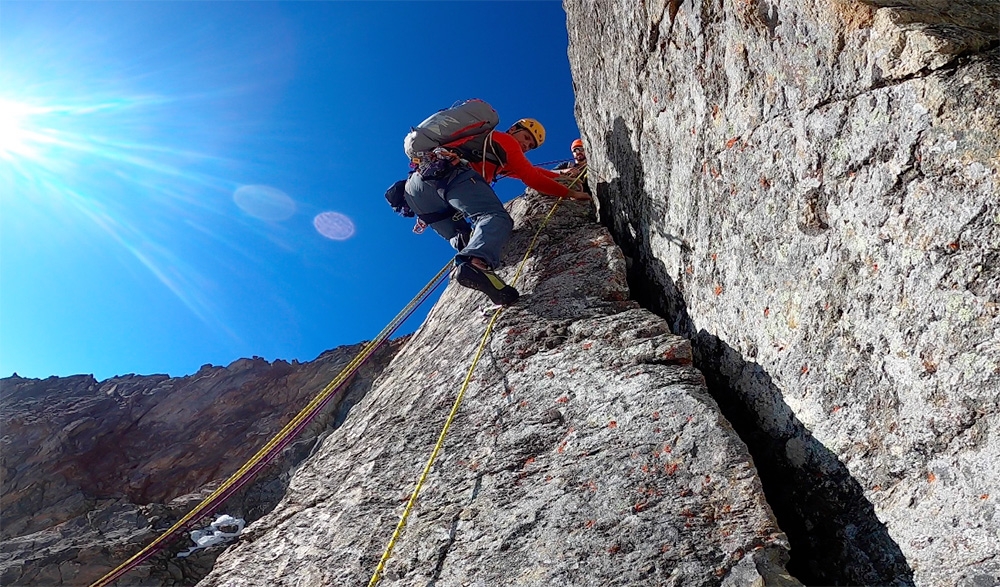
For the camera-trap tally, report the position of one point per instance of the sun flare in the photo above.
(13, 128)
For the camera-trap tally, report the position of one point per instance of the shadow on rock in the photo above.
(835, 536)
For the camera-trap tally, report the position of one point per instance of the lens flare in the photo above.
(334, 226)
(264, 202)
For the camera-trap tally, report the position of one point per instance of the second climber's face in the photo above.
(578, 155)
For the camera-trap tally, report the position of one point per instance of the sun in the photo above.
(14, 128)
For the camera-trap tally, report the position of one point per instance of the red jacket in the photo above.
(517, 165)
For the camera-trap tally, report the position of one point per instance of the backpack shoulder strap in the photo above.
(481, 148)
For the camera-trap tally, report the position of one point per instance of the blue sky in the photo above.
(162, 164)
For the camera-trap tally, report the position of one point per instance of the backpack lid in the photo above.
(444, 128)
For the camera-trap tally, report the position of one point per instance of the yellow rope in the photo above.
(534, 239)
(430, 462)
(380, 568)
(306, 412)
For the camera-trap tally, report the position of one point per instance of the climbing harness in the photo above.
(274, 447)
(436, 164)
(387, 554)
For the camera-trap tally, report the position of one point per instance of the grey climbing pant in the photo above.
(465, 191)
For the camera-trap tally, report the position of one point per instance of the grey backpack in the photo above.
(463, 128)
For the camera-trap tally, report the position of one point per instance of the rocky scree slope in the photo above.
(809, 192)
(587, 450)
(95, 470)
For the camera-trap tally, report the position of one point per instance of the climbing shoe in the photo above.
(484, 280)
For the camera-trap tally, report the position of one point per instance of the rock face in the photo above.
(808, 191)
(587, 450)
(93, 471)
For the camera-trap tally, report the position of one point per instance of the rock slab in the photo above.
(587, 450)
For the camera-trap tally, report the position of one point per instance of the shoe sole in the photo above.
(499, 293)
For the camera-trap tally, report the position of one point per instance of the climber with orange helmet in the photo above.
(467, 189)
(577, 167)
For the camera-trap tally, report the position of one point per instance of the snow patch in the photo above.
(223, 530)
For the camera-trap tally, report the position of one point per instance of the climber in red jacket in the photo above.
(467, 189)
(510, 146)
